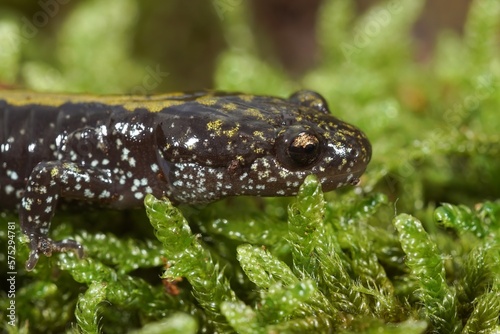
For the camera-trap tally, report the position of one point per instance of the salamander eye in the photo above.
(304, 148)
(298, 147)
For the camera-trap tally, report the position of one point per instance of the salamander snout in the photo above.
(347, 158)
(359, 156)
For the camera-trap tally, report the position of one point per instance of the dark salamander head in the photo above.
(256, 145)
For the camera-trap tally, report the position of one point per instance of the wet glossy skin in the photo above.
(191, 148)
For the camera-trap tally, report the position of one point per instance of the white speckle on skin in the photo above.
(26, 203)
(125, 153)
(9, 189)
(105, 194)
(191, 143)
(89, 194)
(12, 175)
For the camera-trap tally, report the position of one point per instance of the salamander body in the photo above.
(190, 148)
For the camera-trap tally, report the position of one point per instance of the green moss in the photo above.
(413, 249)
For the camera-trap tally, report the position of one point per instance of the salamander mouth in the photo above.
(332, 181)
(352, 177)
(354, 180)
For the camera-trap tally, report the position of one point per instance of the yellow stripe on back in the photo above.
(153, 103)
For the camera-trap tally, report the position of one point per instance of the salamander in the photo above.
(191, 148)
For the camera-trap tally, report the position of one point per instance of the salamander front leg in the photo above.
(47, 183)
